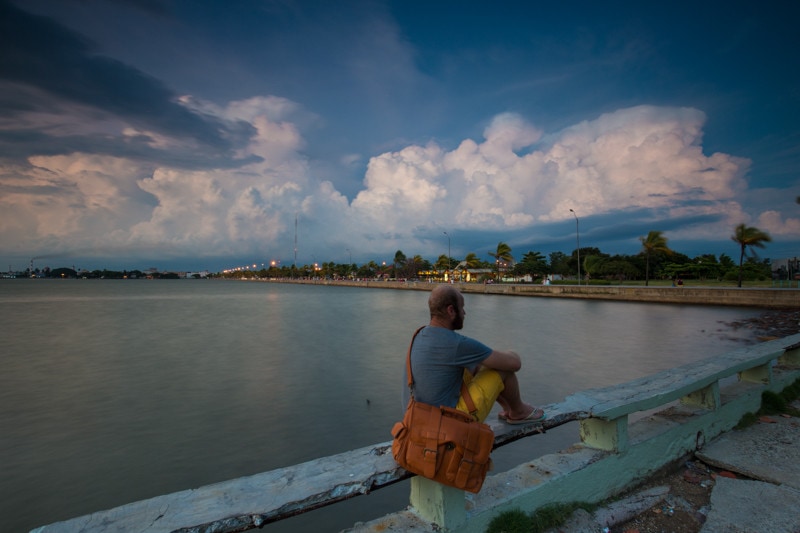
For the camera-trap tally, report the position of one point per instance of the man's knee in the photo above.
(505, 375)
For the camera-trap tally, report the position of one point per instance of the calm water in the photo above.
(115, 391)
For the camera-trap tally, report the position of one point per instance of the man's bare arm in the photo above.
(508, 361)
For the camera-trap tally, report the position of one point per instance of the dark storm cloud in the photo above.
(14, 145)
(154, 7)
(44, 65)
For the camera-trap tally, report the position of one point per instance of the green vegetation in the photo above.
(65, 273)
(543, 519)
(748, 237)
(502, 259)
(773, 404)
(655, 242)
(656, 264)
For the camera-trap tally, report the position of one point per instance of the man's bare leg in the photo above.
(511, 399)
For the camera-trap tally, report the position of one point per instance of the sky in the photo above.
(185, 135)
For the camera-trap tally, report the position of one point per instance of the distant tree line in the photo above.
(655, 261)
(70, 273)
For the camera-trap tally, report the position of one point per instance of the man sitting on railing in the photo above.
(441, 359)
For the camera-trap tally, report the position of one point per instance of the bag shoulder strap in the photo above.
(464, 390)
(408, 359)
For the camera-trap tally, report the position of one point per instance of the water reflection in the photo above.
(116, 391)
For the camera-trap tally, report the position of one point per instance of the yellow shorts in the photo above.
(484, 387)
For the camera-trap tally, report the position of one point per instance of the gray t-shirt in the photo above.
(438, 359)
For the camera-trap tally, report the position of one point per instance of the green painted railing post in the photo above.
(758, 374)
(791, 357)
(705, 398)
(609, 435)
(438, 504)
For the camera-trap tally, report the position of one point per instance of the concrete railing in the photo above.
(695, 403)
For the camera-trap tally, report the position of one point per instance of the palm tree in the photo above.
(371, 269)
(413, 265)
(399, 259)
(594, 265)
(654, 242)
(748, 236)
(443, 263)
(471, 260)
(503, 253)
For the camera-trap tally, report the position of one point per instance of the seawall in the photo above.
(728, 296)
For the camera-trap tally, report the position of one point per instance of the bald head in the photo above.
(440, 300)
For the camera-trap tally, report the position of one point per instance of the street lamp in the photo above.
(578, 237)
(350, 266)
(449, 260)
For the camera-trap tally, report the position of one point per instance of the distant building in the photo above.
(786, 268)
(462, 273)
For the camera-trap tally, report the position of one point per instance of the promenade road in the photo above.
(767, 456)
(764, 497)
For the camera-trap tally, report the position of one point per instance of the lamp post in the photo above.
(578, 237)
(350, 266)
(449, 260)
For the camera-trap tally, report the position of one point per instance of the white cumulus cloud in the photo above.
(515, 177)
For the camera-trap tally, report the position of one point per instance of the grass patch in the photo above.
(747, 420)
(774, 404)
(542, 519)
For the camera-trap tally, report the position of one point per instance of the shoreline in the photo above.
(780, 316)
(769, 298)
(771, 324)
